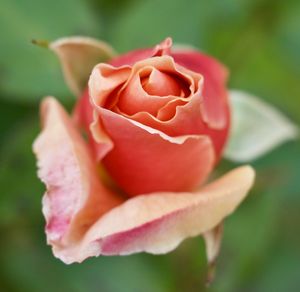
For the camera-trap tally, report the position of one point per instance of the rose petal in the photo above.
(75, 197)
(158, 222)
(186, 121)
(257, 128)
(78, 55)
(215, 76)
(162, 84)
(144, 160)
(213, 239)
(106, 80)
(83, 117)
(214, 91)
(133, 98)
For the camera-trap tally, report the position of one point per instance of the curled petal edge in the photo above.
(156, 223)
(75, 197)
(148, 169)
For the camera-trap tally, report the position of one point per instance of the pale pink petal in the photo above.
(75, 198)
(158, 222)
(78, 56)
(145, 160)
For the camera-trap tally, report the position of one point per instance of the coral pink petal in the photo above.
(83, 111)
(75, 198)
(214, 91)
(83, 117)
(134, 99)
(161, 84)
(158, 222)
(145, 160)
(148, 76)
(185, 119)
(109, 80)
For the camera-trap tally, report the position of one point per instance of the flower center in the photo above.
(161, 84)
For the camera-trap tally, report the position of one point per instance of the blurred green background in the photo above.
(259, 40)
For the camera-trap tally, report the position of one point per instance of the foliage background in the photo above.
(257, 39)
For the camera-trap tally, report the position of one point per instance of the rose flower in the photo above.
(125, 172)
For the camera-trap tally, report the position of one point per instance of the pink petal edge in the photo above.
(75, 198)
(157, 223)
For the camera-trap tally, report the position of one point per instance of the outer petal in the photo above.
(145, 160)
(186, 121)
(257, 128)
(75, 197)
(214, 92)
(158, 222)
(78, 55)
(216, 106)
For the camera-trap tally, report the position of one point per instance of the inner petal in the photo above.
(135, 99)
(161, 84)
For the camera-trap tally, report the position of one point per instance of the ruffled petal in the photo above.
(215, 110)
(187, 120)
(75, 197)
(78, 56)
(105, 82)
(134, 98)
(214, 91)
(157, 223)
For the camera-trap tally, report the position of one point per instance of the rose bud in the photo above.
(156, 121)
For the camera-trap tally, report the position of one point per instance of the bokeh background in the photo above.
(260, 43)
